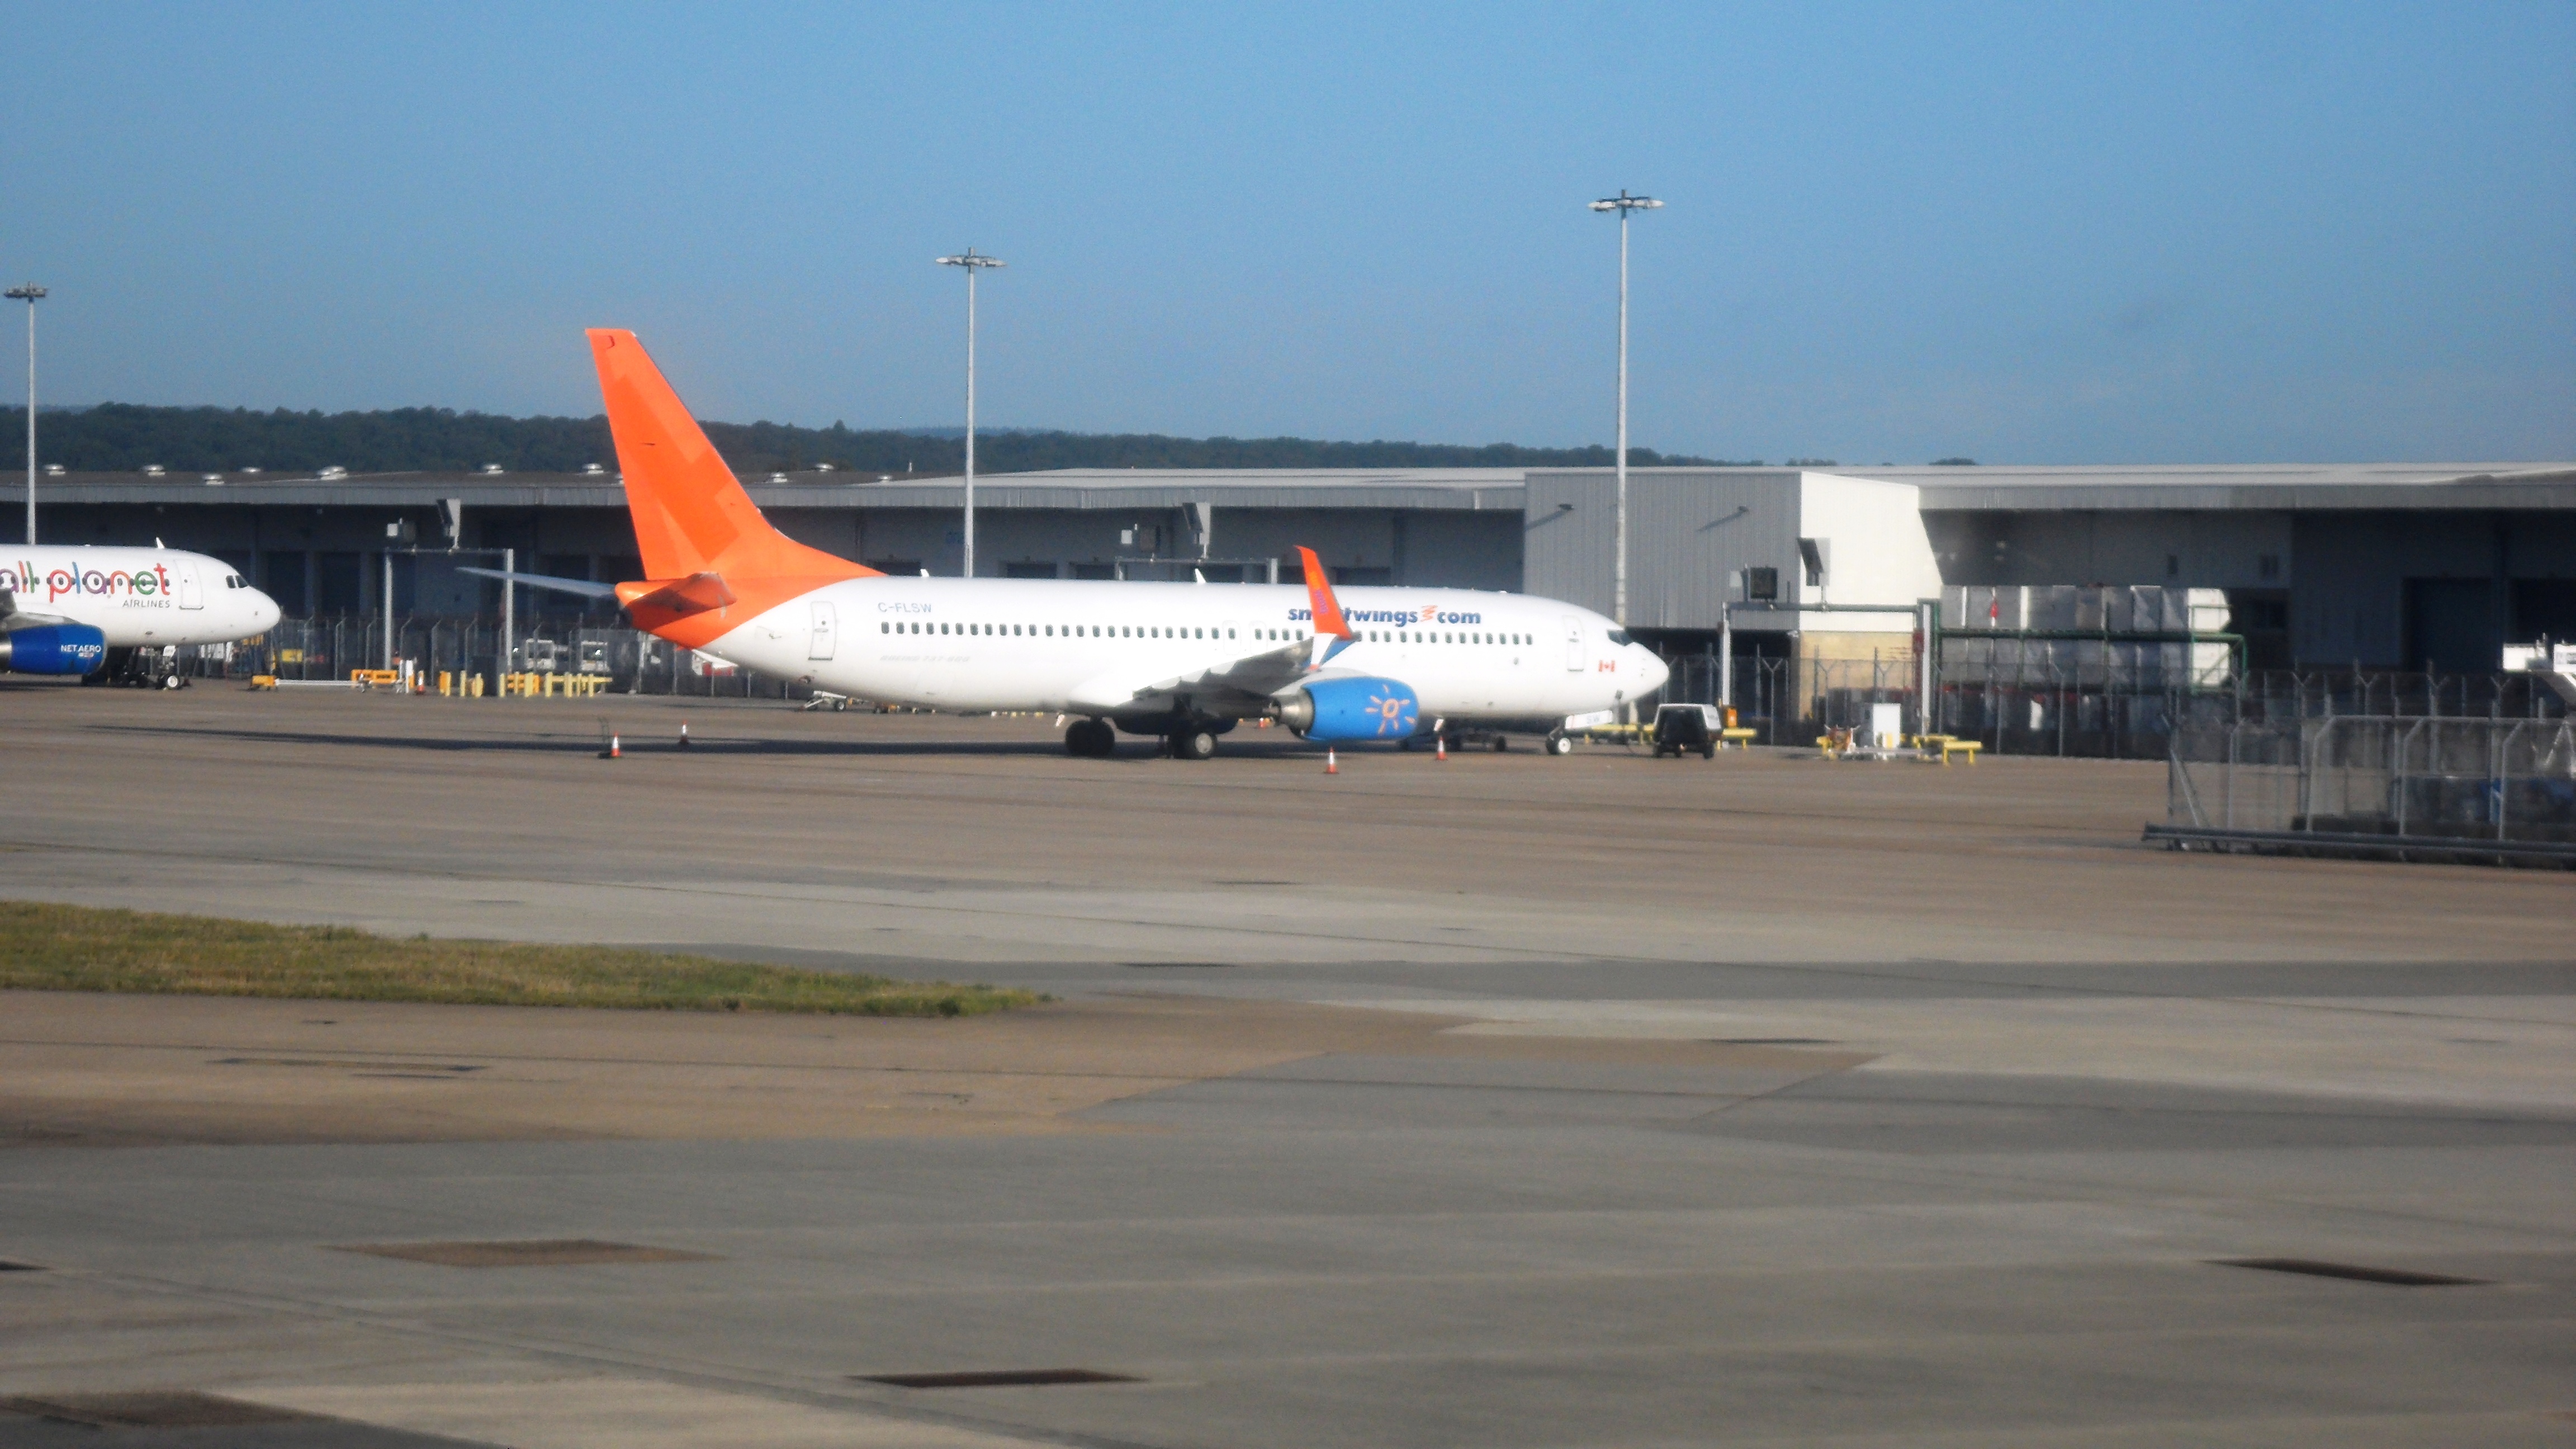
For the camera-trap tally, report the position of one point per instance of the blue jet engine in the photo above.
(53, 649)
(1334, 710)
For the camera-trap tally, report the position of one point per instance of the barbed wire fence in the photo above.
(2409, 784)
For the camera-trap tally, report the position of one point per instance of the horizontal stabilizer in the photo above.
(584, 587)
(695, 594)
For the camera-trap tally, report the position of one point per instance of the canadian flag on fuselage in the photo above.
(713, 561)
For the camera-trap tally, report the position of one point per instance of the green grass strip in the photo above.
(74, 948)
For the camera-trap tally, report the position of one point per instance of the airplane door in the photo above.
(192, 592)
(1573, 644)
(825, 626)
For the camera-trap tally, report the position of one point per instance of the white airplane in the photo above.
(1182, 661)
(76, 610)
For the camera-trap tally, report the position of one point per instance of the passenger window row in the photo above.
(1057, 631)
(1148, 631)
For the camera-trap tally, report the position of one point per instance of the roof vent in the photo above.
(254, 470)
(592, 468)
(153, 470)
(214, 480)
(492, 468)
(777, 477)
(53, 470)
(334, 471)
(822, 467)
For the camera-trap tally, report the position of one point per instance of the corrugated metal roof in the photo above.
(2238, 486)
(1073, 489)
(2207, 487)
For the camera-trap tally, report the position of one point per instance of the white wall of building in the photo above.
(1875, 547)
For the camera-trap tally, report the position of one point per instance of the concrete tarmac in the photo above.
(1503, 1100)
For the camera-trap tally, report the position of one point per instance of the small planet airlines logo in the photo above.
(20, 578)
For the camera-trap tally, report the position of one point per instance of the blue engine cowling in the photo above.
(53, 649)
(1333, 710)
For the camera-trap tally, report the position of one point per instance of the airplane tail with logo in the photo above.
(711, 560)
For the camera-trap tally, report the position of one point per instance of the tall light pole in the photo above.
(1623, 204)
(973, 262)
(31, 294)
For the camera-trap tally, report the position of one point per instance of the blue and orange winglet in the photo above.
(1319, 596)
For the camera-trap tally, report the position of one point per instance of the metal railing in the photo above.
(2126, 704)
(2419, 777)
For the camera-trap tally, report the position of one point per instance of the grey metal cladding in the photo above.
(1567, 532)
(1689, 534)
(1690, 530)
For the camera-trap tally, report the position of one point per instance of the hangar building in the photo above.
(2381, 566)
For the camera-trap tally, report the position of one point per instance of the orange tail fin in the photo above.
(691, 515)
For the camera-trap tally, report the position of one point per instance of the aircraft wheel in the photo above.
(1194, 744)
(1708, 751)
(1560, 743)
(1501, 743)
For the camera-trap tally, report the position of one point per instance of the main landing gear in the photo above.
(1096, 739)
(145, 667)
(1092, 739)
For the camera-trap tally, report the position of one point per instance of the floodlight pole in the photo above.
(973, 262)
(1623, 204)
(30, 294)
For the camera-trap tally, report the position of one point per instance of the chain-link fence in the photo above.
(2420, 778)
(2117, 702)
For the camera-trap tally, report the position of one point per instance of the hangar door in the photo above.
(2451, 626)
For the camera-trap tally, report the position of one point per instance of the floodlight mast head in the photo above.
(1623, 203)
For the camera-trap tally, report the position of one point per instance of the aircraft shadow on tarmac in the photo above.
(1130, 747)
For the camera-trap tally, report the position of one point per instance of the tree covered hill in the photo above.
(125, 437)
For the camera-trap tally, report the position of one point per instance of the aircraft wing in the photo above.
(1252, 677)
(1249, 677)
(13, 618)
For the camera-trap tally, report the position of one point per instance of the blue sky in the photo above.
(2045, 233)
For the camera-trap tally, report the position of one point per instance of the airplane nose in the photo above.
(1652, 668)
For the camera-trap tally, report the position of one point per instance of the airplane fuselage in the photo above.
(1083, 646)
(133, 596)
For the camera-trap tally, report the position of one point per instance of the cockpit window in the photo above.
(1618, 636)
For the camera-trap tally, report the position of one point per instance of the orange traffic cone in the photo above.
(684, 736)
(612, 752)
(1331, 765)
(1442, 752)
